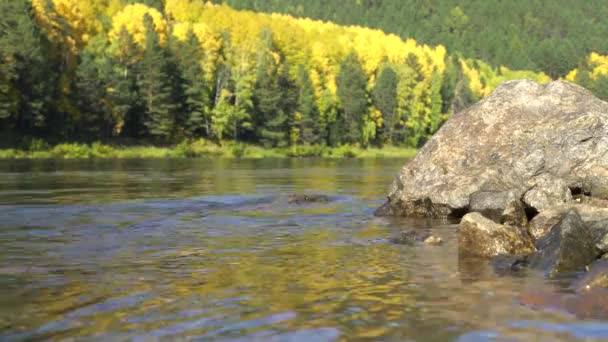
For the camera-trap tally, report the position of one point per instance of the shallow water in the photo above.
(211, 250)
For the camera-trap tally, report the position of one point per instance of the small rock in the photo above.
(547, 192)
(480, 236)
(568, 247)
(433, 240)
(514, 214)
(490, 204)
(597, 182)
(301, 199)
(409, 237)
(599, 229)
(542, 223)
(596, 277)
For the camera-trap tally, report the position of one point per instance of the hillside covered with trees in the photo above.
(549, 36)
(124, 71)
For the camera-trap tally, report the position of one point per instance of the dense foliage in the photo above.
(164, 71)
(550, 36)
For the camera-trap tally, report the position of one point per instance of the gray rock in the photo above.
(599, 230)
(546, 192)
(533, 139)
(480, 236)
(542, 223)
(597, 182)
(568, 247)
(490, 204)
(596, 277)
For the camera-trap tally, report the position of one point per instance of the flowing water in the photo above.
(212, 250)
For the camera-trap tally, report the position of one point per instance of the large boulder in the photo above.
(543, 143)
(568, 247)
(482, 237)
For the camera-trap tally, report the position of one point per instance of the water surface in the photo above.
(212, 250)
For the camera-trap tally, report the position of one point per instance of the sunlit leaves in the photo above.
(131, 17)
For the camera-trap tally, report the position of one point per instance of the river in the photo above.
(212, 250)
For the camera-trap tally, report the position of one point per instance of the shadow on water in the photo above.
(212, 249)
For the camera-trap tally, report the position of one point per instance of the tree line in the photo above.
(124, 71)
(549, 36)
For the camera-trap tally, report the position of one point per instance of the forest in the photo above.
(550, 36)
(163, 72)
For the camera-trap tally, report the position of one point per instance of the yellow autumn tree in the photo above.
(131, 17)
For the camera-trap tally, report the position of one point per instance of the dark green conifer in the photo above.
(351, 91)
(155, 87)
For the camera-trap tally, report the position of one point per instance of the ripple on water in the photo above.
(213, 251)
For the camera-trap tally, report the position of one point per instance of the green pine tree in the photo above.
(385, 99)
(309, 125)
(27, 72)
(125, 100)
(352, 93)
(272, 121)
(197, 93)
(156, 87)
(90, 97)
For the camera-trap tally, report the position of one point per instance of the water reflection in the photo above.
(212, 250)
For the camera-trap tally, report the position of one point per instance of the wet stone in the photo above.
(410, 237)
(595, 278)
(303, 199)
(568, 247)
(509, 264)
(433, 240)
(482, 237)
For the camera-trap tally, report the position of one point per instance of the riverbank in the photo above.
(198, 149)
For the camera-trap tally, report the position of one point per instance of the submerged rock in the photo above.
(568, 247)
(433, 240)
(303, 199)
(480, 236)
(409, 237)
(542, 142)
(585, 305)
(507, 264)
(595, 278)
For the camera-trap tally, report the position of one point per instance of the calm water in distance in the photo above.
(211, 250)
